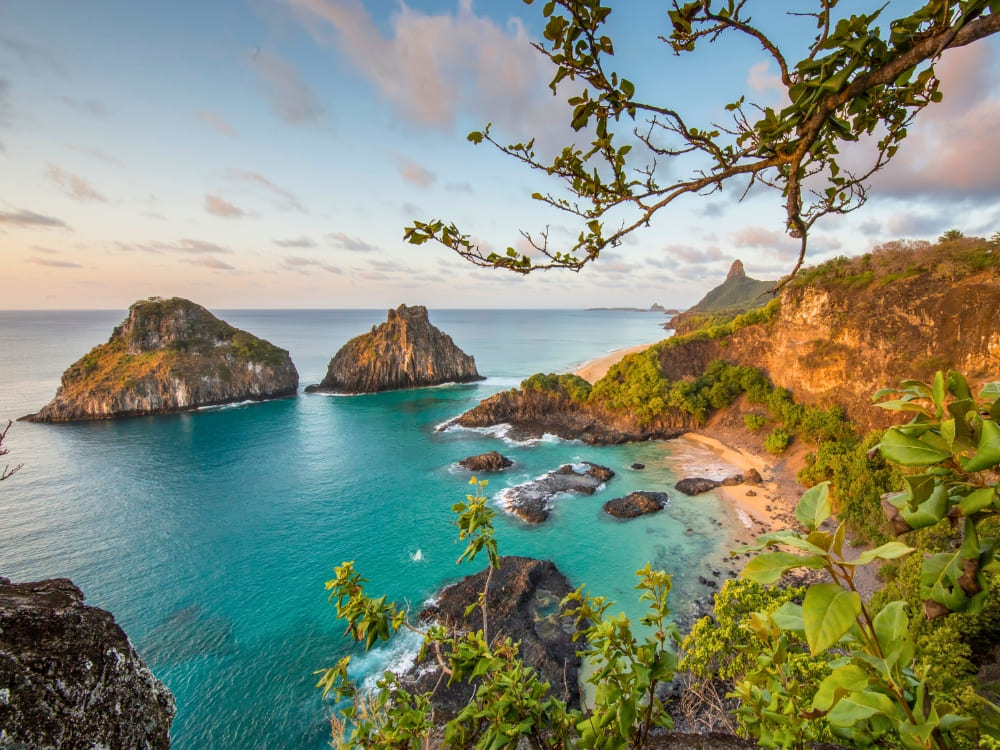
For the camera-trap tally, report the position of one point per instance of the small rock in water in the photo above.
(491, 461)
(638, 466)
(636, 504)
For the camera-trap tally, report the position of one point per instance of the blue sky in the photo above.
(269, 153)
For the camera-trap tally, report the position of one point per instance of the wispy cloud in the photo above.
(97, 154)
(52, 263)
(675, 255)
(214, 263)
(31, 55)
(303, 242)
(346, 242)
(302, 265)
(416, 174)
(431, 66)
(86, 106)
(218, 206)
(287, 199)
(291, 99)
(76, 187)
(30, 219)
(187, 245)
(215, 121)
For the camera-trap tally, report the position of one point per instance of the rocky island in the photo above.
(169, 355)
(404, 352)
(69, 676)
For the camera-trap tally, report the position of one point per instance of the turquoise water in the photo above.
(210, 535)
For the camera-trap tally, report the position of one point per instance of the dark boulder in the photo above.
(491, 461)
(752, 476)
(69, 676)
(696, 485)
(523, 603)
(636, 504)
(638, 467)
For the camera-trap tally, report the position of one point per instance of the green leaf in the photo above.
(958, 385)
(977, 500)
(888, 551)
(988, 452)
(768, 567)
(892, 629)
(815, 506)
(929, 512)
(909, 451)
(841, 681)
(789, 617)
(859, 706)
(828, 612)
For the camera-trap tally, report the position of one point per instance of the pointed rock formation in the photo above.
(169, 355)
(404, 352)
(737, 294)
(736, 271)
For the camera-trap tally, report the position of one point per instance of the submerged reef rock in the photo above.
(636, 504)
(523, 604)
(532, 501)
(404, 352)
(491, 461)
(69, 676)
(169, 355)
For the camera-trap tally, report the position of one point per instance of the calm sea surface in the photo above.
(210, 534)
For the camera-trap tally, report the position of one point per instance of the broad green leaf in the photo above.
(918, 488)
(988, 452)
(888, 551)
(828, 611)
(859, 706)
(929, 512)
(792, 539)
(841, 681)
(892, 628)
(958, 385)
(939, 580)
(909, 451)
(901, 404)
(977, 500)
(768, 567)
(789, 617)
(815, 506)
(939, 393)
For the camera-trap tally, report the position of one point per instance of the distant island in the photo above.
(654, 308)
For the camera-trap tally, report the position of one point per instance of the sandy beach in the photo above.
(596, 369)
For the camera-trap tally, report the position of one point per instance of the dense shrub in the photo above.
(754, 422)
(777, 441)
(573, 386)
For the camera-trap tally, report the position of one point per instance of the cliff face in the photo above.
(69, 676)
(169, 355)
(404, 352)
(838, 343)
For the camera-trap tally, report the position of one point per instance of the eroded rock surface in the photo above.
(169, 355)
(532, 501)
(636, 504)
(696, 485)
(491, 461)
(522, 603)
(404, 352)
(69, 678)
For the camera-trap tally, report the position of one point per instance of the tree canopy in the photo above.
(856, 81)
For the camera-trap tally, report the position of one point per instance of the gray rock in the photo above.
(404, 352)
(491, 461)
(531, 502)
(636, 504)
(69, 678)
(696, 485)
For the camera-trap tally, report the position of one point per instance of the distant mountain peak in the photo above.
(736, 270)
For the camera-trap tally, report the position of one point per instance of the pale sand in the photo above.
(771, 509)
(596, 369)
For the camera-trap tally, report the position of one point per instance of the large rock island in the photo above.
(69, 676)
(404, 352)
(169, 355)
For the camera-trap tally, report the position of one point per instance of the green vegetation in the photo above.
(573, 386)
(778, 441)
(949, 259)
(754, 422)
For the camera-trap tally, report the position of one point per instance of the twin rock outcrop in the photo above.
(171, 355)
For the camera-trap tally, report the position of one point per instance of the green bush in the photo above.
(754, 422)
(777, 441)
(573, 386)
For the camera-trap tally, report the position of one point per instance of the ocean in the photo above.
(209, 534)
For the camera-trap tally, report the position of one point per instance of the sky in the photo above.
(270, 153)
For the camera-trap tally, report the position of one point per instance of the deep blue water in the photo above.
(210, 534)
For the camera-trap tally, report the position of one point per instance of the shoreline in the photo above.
(595, 369)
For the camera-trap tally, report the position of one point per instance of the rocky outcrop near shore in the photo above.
(490, 461)
(69, 676)
(635, 504)
(404, 352)
(533, 413)
(169, 355)
(532, 501)
(523, 604)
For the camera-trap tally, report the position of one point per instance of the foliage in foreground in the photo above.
(812, 664)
